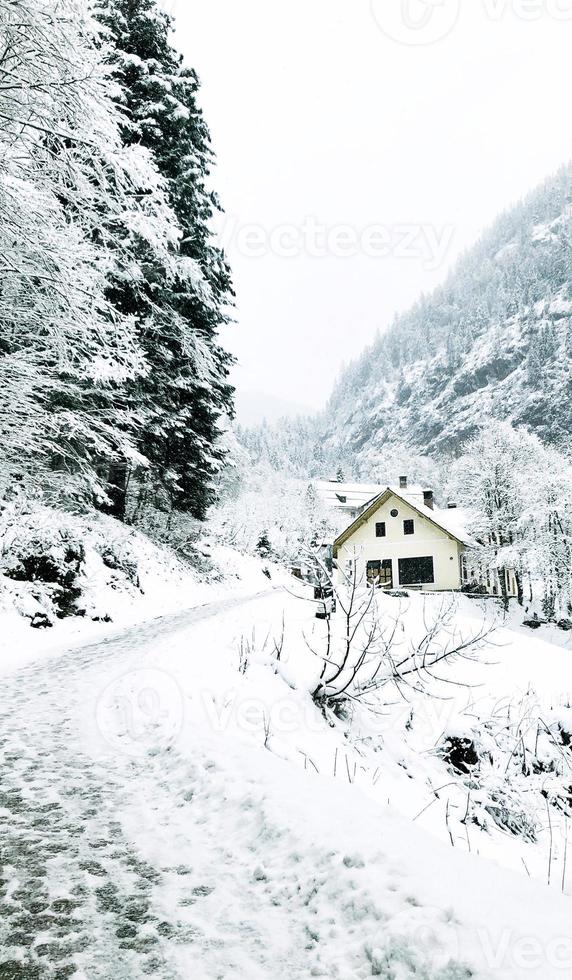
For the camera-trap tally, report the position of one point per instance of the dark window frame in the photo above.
(425, 574)
(409, 526)
(381, 529)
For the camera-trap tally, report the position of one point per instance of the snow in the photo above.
(202, 818)
(111, 598)
(356, 495)
(454, 521)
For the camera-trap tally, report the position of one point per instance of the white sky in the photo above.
(316, 113)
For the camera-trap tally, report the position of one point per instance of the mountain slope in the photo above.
(493, 342)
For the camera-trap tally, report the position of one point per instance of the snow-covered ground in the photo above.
(124, 579)
(174, 805)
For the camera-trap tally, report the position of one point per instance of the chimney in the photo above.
(403, 483)
(428, 499)
(452, 506)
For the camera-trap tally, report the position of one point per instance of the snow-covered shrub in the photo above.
(460, 752)
(562, 723)
(52, 560)
(505, 812)
(514, 768)
(55, 565)
(117, 556)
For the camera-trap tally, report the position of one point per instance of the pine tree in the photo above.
(185, 391)
(263, 545)
(66, 181)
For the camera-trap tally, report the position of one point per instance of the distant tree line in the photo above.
(518, 495)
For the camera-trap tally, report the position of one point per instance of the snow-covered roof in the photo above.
(452, 521)
(347, 496)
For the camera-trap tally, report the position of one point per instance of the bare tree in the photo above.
(364, 650)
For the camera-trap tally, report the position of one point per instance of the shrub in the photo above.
(50, 556)
(460, 753)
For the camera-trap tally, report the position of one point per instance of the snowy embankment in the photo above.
(296, 847)
(65, 580)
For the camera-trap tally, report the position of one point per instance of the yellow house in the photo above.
(401, 540)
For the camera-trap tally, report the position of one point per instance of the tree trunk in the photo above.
(118, 479)
(504, 589)
(520, 588)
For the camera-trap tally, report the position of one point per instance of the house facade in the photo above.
(400, 539)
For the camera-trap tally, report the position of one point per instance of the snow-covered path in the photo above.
(125, 853)
(142, 834)
(74, 890)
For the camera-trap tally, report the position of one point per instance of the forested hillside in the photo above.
(493, 343)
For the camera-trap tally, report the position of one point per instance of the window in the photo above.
(380, 530)
(380, 573)
(394, 512)
(416, 571)
(409, 527)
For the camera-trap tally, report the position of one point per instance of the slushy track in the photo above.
(76, 897)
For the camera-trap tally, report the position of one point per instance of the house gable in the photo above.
(408, 510)
(403, 543)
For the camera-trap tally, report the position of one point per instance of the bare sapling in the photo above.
(364, 646)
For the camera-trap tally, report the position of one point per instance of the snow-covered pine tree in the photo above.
(65, 181)
(186, 391)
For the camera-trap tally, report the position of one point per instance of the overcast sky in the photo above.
(362, 145)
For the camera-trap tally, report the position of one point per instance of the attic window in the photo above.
(409, 527)
(380, 530)
(395, 512)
